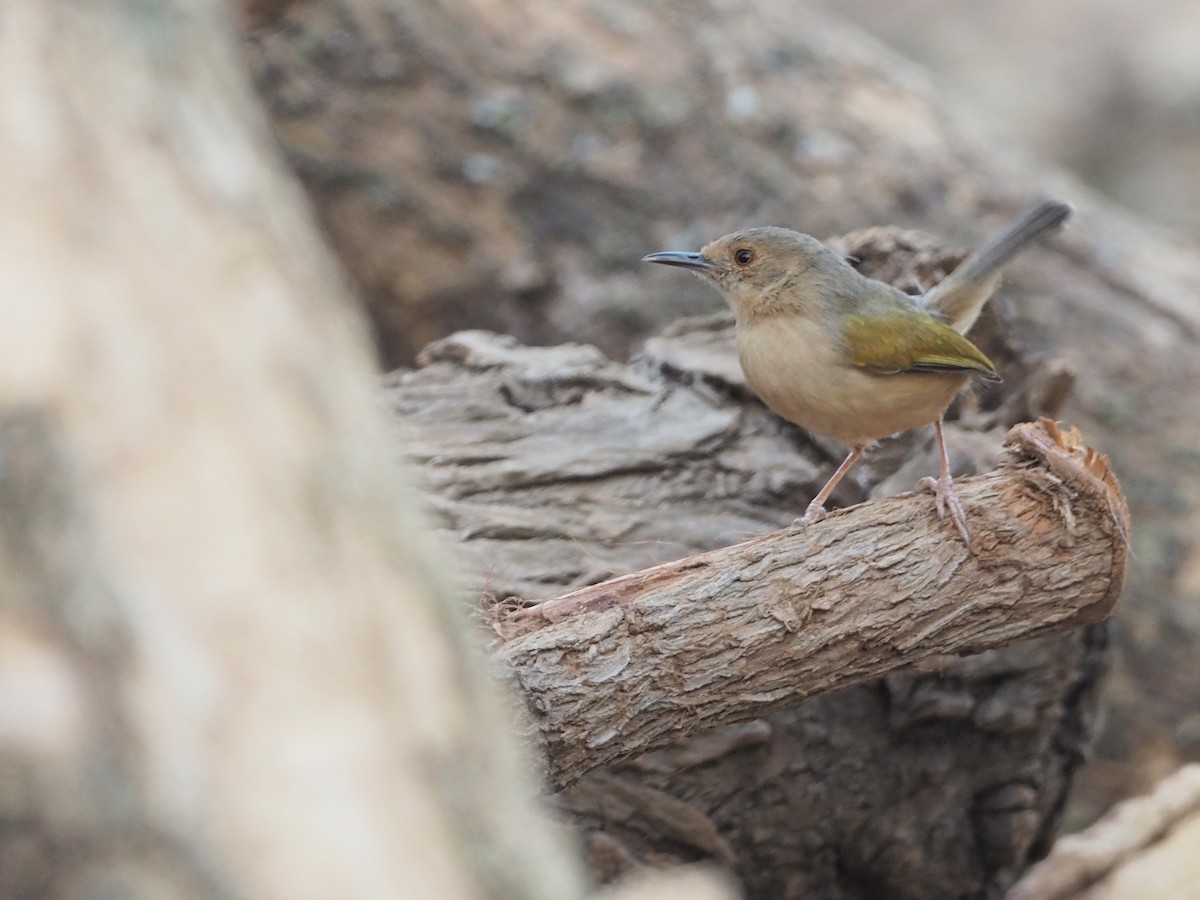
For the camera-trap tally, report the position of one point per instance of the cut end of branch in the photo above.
(1064, 455)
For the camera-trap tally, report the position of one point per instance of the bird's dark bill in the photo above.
(681, 259)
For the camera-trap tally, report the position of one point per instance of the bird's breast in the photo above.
(802, 374)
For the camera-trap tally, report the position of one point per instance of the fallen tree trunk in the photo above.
(632, 664)
(555, 469)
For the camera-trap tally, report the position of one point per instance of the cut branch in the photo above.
(1079, 861)
(631, 664)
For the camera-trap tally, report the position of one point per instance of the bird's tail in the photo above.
(961, 296)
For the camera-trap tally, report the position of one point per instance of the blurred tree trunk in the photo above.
(226, 666)
(505, 164)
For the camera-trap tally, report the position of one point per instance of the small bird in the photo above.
(849, 357)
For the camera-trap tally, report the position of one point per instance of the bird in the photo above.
(851, 358)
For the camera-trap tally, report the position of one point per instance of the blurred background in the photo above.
(1108, 89)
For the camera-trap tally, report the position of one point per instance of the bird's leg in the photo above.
(943, 489)
(816, 509)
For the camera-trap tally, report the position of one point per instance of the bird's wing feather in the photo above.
(902, 341)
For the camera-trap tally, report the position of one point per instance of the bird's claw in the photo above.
(948, 503)
(815, 513)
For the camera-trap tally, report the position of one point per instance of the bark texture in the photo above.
(556, 468)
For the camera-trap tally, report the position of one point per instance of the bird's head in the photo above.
(761, 270)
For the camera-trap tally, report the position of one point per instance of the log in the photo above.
(635, 663)
(552, 469)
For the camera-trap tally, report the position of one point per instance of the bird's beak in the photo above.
(693, 261)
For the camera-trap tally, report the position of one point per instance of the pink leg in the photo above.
(816, 509)
(943, 489)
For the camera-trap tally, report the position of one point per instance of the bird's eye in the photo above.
(743, 256)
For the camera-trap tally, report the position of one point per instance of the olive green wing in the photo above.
(902, 341)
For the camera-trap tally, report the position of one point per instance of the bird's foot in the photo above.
(948, 503)
(815, 513)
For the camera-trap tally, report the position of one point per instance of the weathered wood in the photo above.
(630, 664)
(554, 468)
